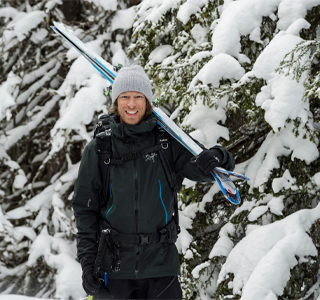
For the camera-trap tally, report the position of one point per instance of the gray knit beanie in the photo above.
(131, 79)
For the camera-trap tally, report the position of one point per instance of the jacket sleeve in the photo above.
(190, 170)
(86, 204)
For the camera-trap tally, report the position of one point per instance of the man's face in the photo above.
(132, 107)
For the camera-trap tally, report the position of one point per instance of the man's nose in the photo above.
(132, 102)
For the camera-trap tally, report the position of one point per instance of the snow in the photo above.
(8, 93)
(261, 262)
(292, 10)
(239, 18)
(184, 238)
(152, 10)
(118, 55)
(24, 96)
(189, 254)
(276, 205)
(20, 26)
(282, 93)
(123, 19)
(190, 7)
(40, 72)
(20, 179)
(159, 54)
(284, 182)
(191, 210)
(68, 278)
(18, 132)
(222, 66)
(81, 108)
(224, 245)
(257, 212)
(199, 33)
(8, 12)
(205, 121)
(278, 144)
(33, 205)
(95, 45)
(197, 269)
(38, 35)
(78, 111)
(316, 179)
(52, 3)
(106, 5)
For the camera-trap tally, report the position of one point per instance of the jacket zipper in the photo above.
(136, 215)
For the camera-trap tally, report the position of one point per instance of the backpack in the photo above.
(103, 134)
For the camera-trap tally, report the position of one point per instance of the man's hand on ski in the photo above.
(90, 285)
(207, 160)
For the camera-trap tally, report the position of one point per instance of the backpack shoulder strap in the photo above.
(166, 156)
(165, 151)
(102, 134)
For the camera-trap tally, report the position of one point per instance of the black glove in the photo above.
(90, 285)
(207, 160)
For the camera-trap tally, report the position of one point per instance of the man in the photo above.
(141, 259)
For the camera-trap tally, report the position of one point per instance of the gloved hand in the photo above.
(90, 285)
(207, 160)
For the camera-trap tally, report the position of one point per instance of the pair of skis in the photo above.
(221, 175)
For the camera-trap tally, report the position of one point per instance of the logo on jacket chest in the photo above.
(150, 156)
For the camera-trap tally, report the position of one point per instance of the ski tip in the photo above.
(56, 24)
(233, 199)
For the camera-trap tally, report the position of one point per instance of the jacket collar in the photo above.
(126, 130)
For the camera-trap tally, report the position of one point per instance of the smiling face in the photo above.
(131, 107)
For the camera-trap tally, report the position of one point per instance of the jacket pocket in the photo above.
(164, 207)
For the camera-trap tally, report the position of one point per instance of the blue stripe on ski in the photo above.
(87, 57)
(104, 75)
(107, 70)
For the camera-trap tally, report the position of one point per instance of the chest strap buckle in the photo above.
(144, 239)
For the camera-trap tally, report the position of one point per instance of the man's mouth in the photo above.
(131, 112)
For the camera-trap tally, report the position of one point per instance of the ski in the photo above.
(103, 67)
(221, 175)
(231, 173)
(226, 185)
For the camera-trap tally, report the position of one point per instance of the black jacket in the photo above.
(140, 201)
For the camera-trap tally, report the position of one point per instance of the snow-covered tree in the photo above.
(240, 73)
(50, 101)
